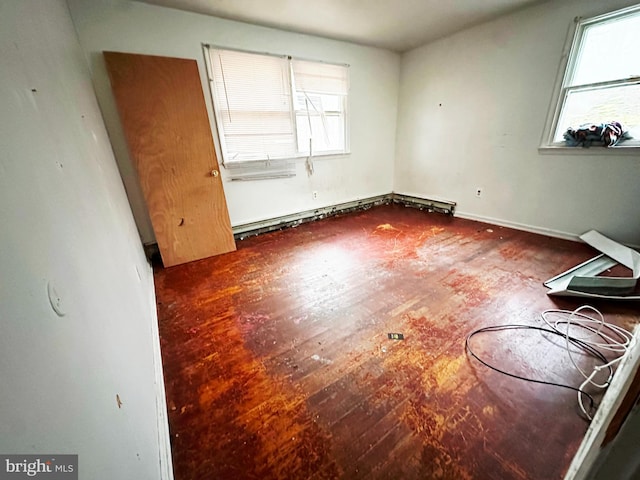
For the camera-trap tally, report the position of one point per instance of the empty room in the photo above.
(277, 239)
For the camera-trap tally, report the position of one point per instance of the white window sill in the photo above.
(593, 150)
(327, 155)
(280, 161)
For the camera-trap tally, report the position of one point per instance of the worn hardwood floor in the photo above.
(278, 364)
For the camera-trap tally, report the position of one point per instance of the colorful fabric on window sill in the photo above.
(602, 134)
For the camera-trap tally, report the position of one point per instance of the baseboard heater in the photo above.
(293, 220)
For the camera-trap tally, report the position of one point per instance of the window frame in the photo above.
(300, 153)
(571, 54)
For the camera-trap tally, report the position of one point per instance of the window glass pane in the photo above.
(320, 117)
(311, 101)
(332, 103)
(619, 103)
(609, 51)
(319, 103)
(328, 133)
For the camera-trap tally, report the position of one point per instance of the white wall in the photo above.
(141, 28)
(494, 83)
(66, 224)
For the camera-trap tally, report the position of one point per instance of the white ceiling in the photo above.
(393, 24)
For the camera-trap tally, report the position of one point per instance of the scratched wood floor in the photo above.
(278, 364)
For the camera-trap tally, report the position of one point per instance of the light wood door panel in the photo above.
(163, 113)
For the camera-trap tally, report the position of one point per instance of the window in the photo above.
(272, 107)
(601, 82)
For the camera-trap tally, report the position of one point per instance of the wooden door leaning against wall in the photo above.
(164, 117)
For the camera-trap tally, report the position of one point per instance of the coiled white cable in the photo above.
(602, 336)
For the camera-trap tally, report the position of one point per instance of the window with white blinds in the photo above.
(271, 107)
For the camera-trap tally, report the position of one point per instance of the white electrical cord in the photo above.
(602, 336)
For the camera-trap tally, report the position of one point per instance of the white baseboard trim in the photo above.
(528, 228)
(519, 226)
(162, 416)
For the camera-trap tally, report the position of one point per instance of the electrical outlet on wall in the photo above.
(314, 194)
(478, 192)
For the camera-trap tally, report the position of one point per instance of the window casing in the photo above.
(271, 107)
(601, 81)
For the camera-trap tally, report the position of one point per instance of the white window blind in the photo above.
(252, 96)
(274, 107)
(320, 77)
